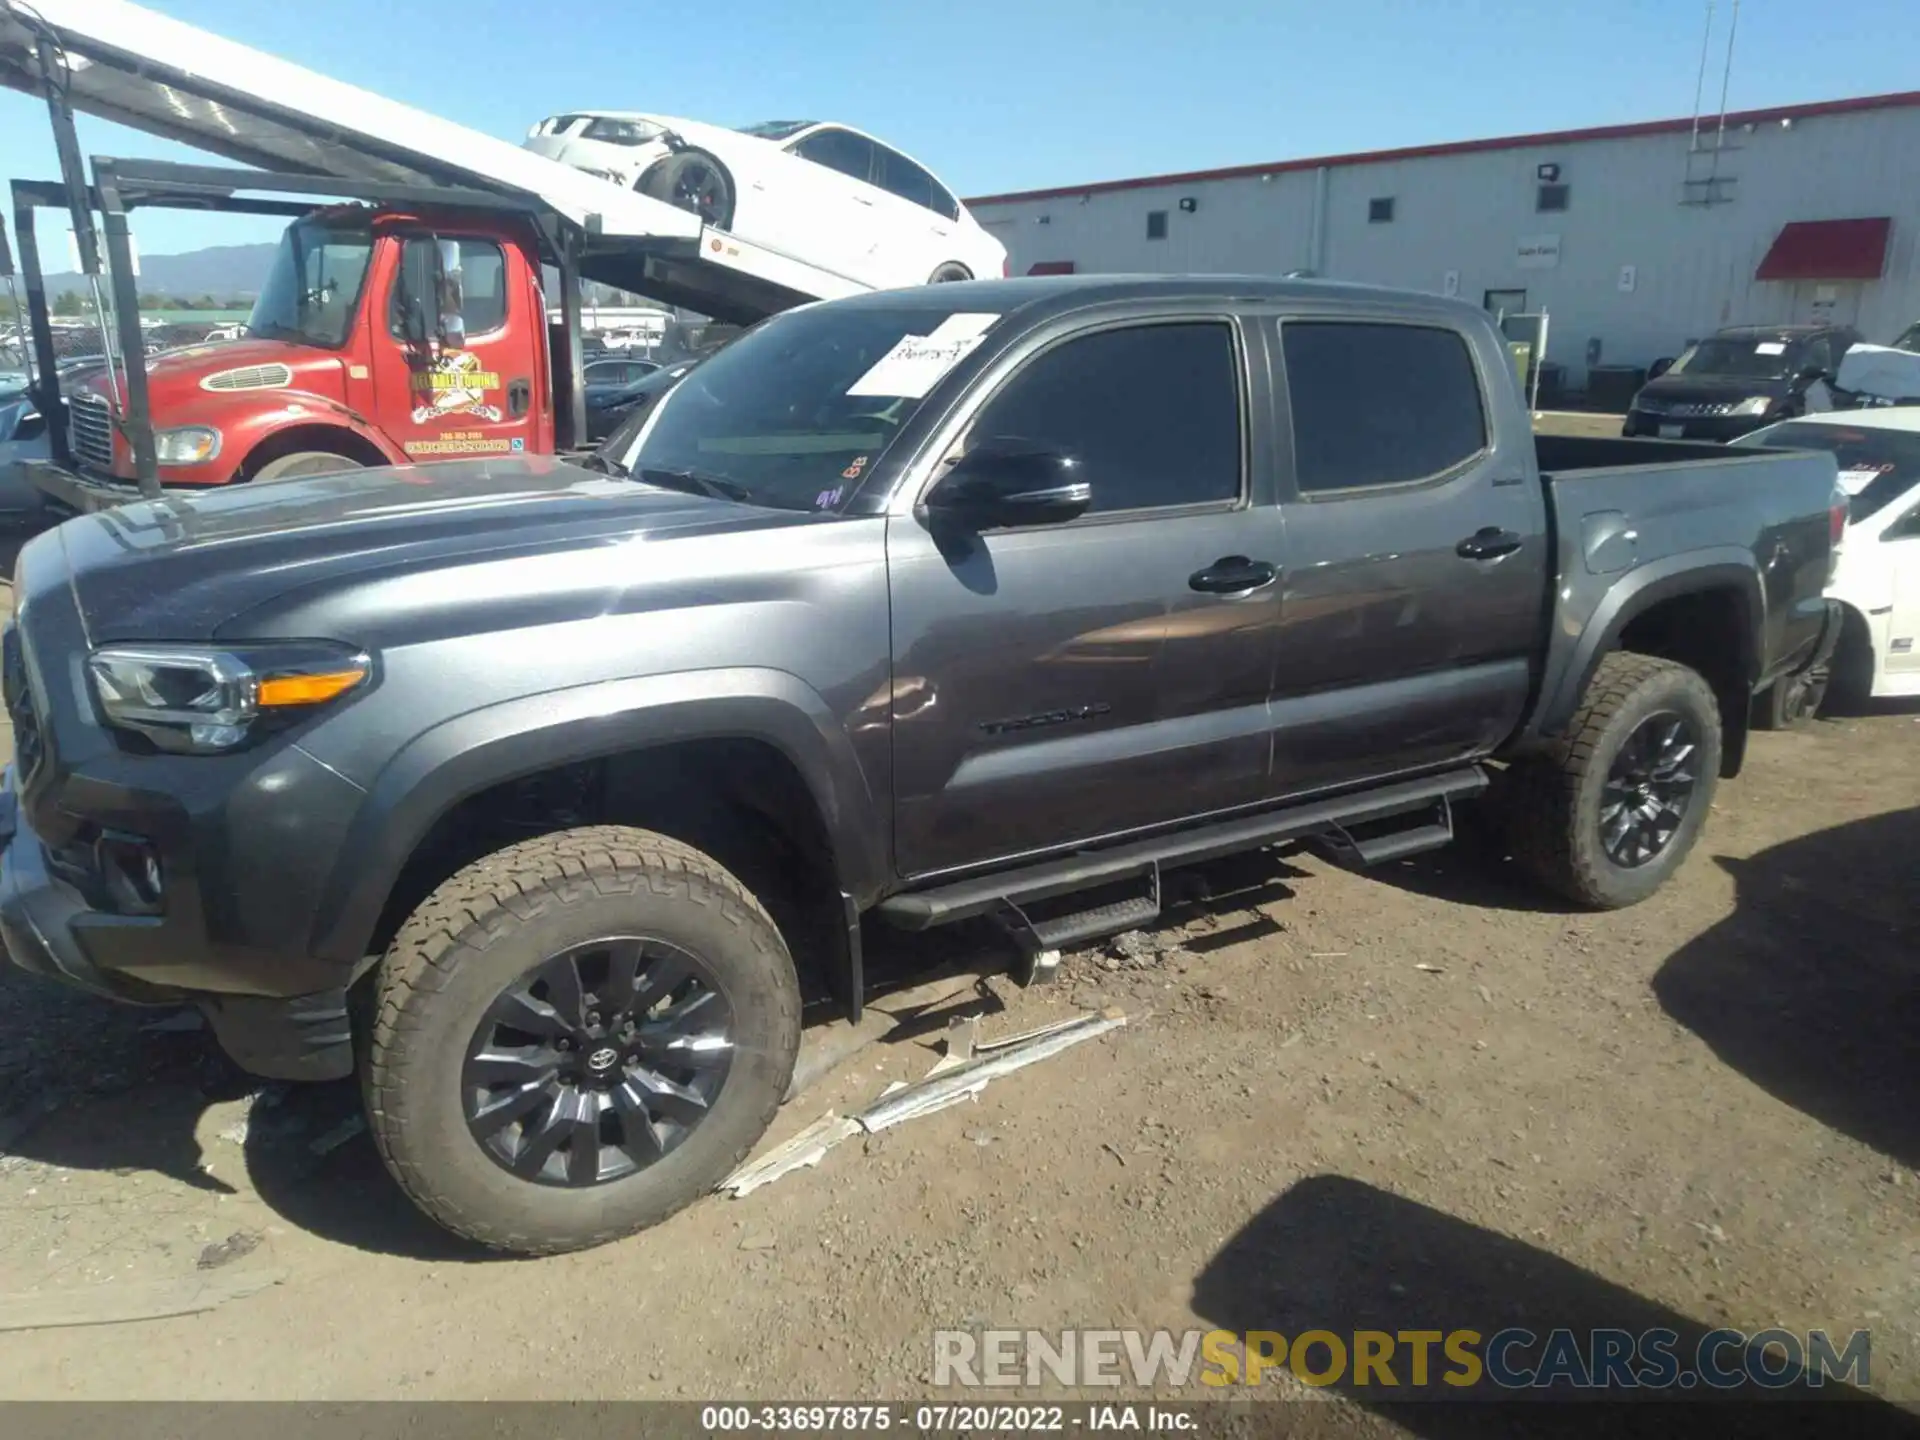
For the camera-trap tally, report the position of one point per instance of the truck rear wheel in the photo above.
(1612, 810)
(576, 1036)
(300, 464)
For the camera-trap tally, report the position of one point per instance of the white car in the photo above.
(1878, 577)
(822, 193)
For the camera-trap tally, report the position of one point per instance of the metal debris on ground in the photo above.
(807, 1148)
(968, 1067)
(225, 1252)
(1430, 969)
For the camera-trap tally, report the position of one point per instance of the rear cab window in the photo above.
(1375, 404)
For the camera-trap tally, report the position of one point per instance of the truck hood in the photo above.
(248, 562)
(1710, 389)
(177, 380)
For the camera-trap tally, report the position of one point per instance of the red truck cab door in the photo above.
(486, 392)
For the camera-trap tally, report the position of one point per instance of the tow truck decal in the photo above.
(454, 384)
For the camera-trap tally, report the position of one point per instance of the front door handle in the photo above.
(1489, 542)
(1233, 575)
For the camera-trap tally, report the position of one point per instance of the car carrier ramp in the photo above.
(131, 65)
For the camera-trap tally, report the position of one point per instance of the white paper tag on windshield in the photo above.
(1854, 481)
(918, 362)
(1770, 347)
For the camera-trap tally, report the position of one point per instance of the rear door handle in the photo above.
(1489, 542)
(1233, 575)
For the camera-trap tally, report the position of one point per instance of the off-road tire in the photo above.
(499, 918)
(300, 464)
(1850, 688)
(1551, 805)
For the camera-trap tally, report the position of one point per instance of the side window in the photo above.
(841, 150)
(1820, 353)
(483, 284)
(944, 203)
(904, 178)
(1151, 411)
(1379, 404)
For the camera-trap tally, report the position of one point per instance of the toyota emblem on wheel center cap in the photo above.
(603, 1058)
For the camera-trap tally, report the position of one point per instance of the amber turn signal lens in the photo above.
(278, 690)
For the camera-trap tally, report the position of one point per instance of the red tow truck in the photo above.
(409, 324)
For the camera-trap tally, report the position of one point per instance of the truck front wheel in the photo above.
(1607, 814)
(576, 1036)
(300, 464)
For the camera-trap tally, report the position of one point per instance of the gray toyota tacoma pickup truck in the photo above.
(535, 791)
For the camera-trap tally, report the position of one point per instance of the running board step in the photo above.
(1064, 931)
(1335, 815)
(1391, 839)
(1383, 848)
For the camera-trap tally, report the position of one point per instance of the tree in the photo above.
(69, 304)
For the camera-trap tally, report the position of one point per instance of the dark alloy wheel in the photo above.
(598, 1062)
(1649, 787)
(1793, 701)
(695, 181)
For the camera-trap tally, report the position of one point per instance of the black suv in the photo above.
(1740, 379)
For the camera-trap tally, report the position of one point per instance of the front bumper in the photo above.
(1694, 427)
(51, 929)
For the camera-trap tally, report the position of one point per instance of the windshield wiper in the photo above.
(605, 464)
(695, 482)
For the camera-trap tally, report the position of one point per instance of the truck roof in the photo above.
(1065, 291)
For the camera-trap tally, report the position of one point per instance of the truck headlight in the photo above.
(1758, 405)
(194, 700)
(186, 445)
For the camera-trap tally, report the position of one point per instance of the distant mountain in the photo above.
(223, 271)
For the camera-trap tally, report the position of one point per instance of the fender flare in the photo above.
(469, 753)
(317, 413)
(1570, 665)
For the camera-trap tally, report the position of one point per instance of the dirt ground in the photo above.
(1420, 1097)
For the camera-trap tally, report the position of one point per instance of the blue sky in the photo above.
(1001, 95)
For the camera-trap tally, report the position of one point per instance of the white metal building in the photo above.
(1634, 238)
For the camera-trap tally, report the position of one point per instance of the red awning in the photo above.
(1051, 267)
(1828, 250)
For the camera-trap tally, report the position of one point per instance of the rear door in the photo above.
(1059, 683)
(1416, 550)
(477, 397)
(915, 238)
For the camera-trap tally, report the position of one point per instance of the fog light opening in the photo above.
(131, 869)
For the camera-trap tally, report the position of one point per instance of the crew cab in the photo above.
(993, 599)
(1742, 378)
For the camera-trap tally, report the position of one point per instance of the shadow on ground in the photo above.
(1811, 988)
(1338, 1255)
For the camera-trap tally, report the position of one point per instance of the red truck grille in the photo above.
(90, 432)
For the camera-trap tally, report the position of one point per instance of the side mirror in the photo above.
(1815, 372)
(451, 329)
(1659, 367)
(1003, 482)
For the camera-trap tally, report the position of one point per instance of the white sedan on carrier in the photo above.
(1878, 577)
(822, 193)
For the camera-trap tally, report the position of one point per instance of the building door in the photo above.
(1505, 302)
(1827, 302)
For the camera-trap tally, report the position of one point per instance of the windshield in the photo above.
(313, 289)
(1741, 359)
(794, 412)
(777, 129)
(1877, 467)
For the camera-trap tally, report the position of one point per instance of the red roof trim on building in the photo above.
(1828, 250)
(1900, 100)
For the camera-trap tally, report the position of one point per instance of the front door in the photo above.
(832, 208)
(1061, 683)
(1418, 554)
(470, 398)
